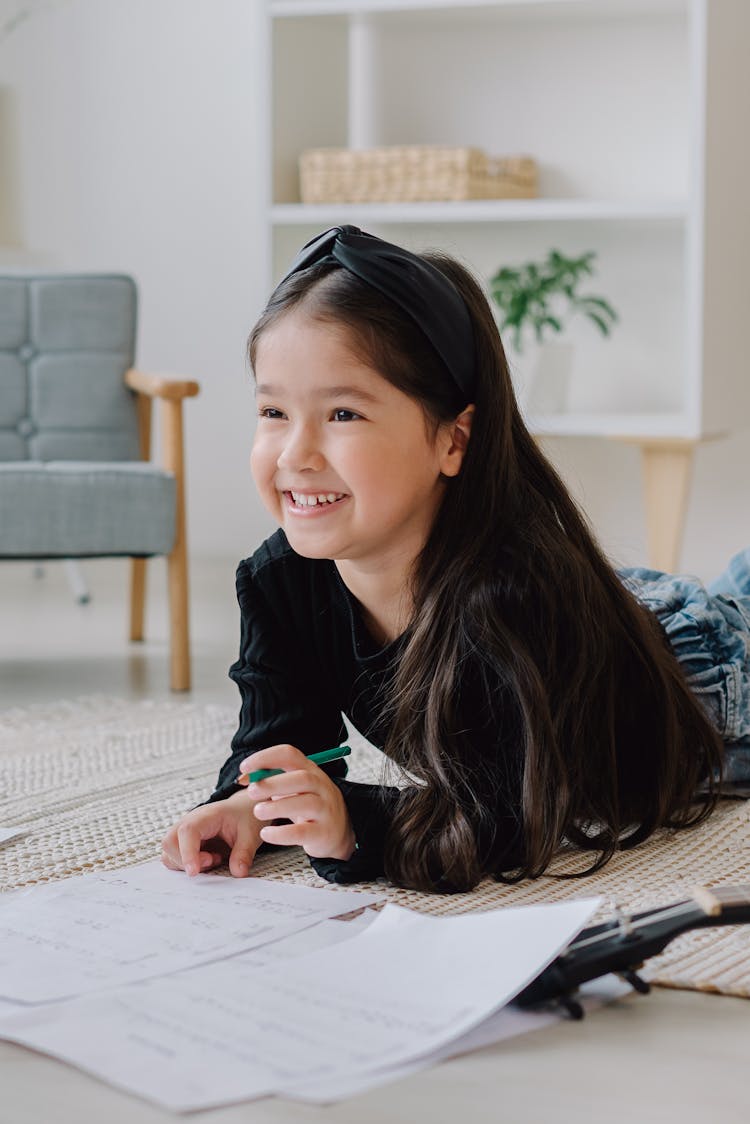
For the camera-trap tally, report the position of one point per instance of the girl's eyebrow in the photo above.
(351, 392)
(346, 392)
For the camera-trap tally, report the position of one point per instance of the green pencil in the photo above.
(321, 758)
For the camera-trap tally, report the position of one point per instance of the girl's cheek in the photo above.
(262, 470)
(261, 463)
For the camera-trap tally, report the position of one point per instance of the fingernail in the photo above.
(191, 869)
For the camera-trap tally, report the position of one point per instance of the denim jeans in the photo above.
(709, 631)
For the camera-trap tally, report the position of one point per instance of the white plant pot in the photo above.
(550, 378)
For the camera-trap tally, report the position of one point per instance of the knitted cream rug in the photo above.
(95, 783)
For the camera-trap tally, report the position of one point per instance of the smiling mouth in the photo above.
(305, 500)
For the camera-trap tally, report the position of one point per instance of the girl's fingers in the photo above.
(319, 829)
(209, 859)
(201, 834)
(275, 757)
(305, 806)
(208, 835)
(169, 862)
(170, 850)
(287, 784)
(286, 835)
(189, 838)
(243, 850)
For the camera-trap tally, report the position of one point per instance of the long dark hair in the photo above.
(611, 742)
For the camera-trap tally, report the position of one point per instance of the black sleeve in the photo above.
(282, 699)
(283, 702)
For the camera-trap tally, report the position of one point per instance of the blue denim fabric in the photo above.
(709, 630)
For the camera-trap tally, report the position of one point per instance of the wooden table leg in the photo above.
(667, 467)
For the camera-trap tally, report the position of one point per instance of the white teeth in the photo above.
(303, 500)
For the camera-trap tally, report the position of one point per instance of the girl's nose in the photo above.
(301, 452)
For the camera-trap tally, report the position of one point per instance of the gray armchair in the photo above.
(75, 426)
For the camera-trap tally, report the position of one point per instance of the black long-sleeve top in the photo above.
(305, 659)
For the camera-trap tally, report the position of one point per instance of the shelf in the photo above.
(481, 210)
(295, 8)
(646, 173)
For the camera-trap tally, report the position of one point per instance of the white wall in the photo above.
(130, 136)
(131, 144)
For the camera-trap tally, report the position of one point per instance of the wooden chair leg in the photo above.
(138, 565)
(179, 629)
(137, 597)
(177, 568)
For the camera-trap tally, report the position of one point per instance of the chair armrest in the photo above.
(160, 386)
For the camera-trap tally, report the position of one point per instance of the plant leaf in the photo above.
(603, 325)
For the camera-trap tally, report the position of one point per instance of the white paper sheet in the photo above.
(103, 930)
(233, 1030)
(508, 1022)
(319, 935)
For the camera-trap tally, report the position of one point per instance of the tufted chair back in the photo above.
(65, 344)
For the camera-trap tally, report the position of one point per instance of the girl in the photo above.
(433, 580)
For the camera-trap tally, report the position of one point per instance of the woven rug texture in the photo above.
(95, 783)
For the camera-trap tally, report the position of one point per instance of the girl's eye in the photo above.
(345, 415)
(270, 412)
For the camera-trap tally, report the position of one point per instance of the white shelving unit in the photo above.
(635, 111)
(482, 210)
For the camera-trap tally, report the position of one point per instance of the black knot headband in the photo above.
(418, 288)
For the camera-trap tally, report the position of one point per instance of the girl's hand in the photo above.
(205, 837)
(307, 796)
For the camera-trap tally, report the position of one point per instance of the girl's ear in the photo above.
(456, 436)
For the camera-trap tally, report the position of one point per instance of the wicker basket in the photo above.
(412, 173)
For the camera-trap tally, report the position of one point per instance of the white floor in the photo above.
(51, 647)
(669, 1057)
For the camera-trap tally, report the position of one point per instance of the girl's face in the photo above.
(342, 459)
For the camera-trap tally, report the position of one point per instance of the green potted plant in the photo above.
(538, 299)
(543, 296)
